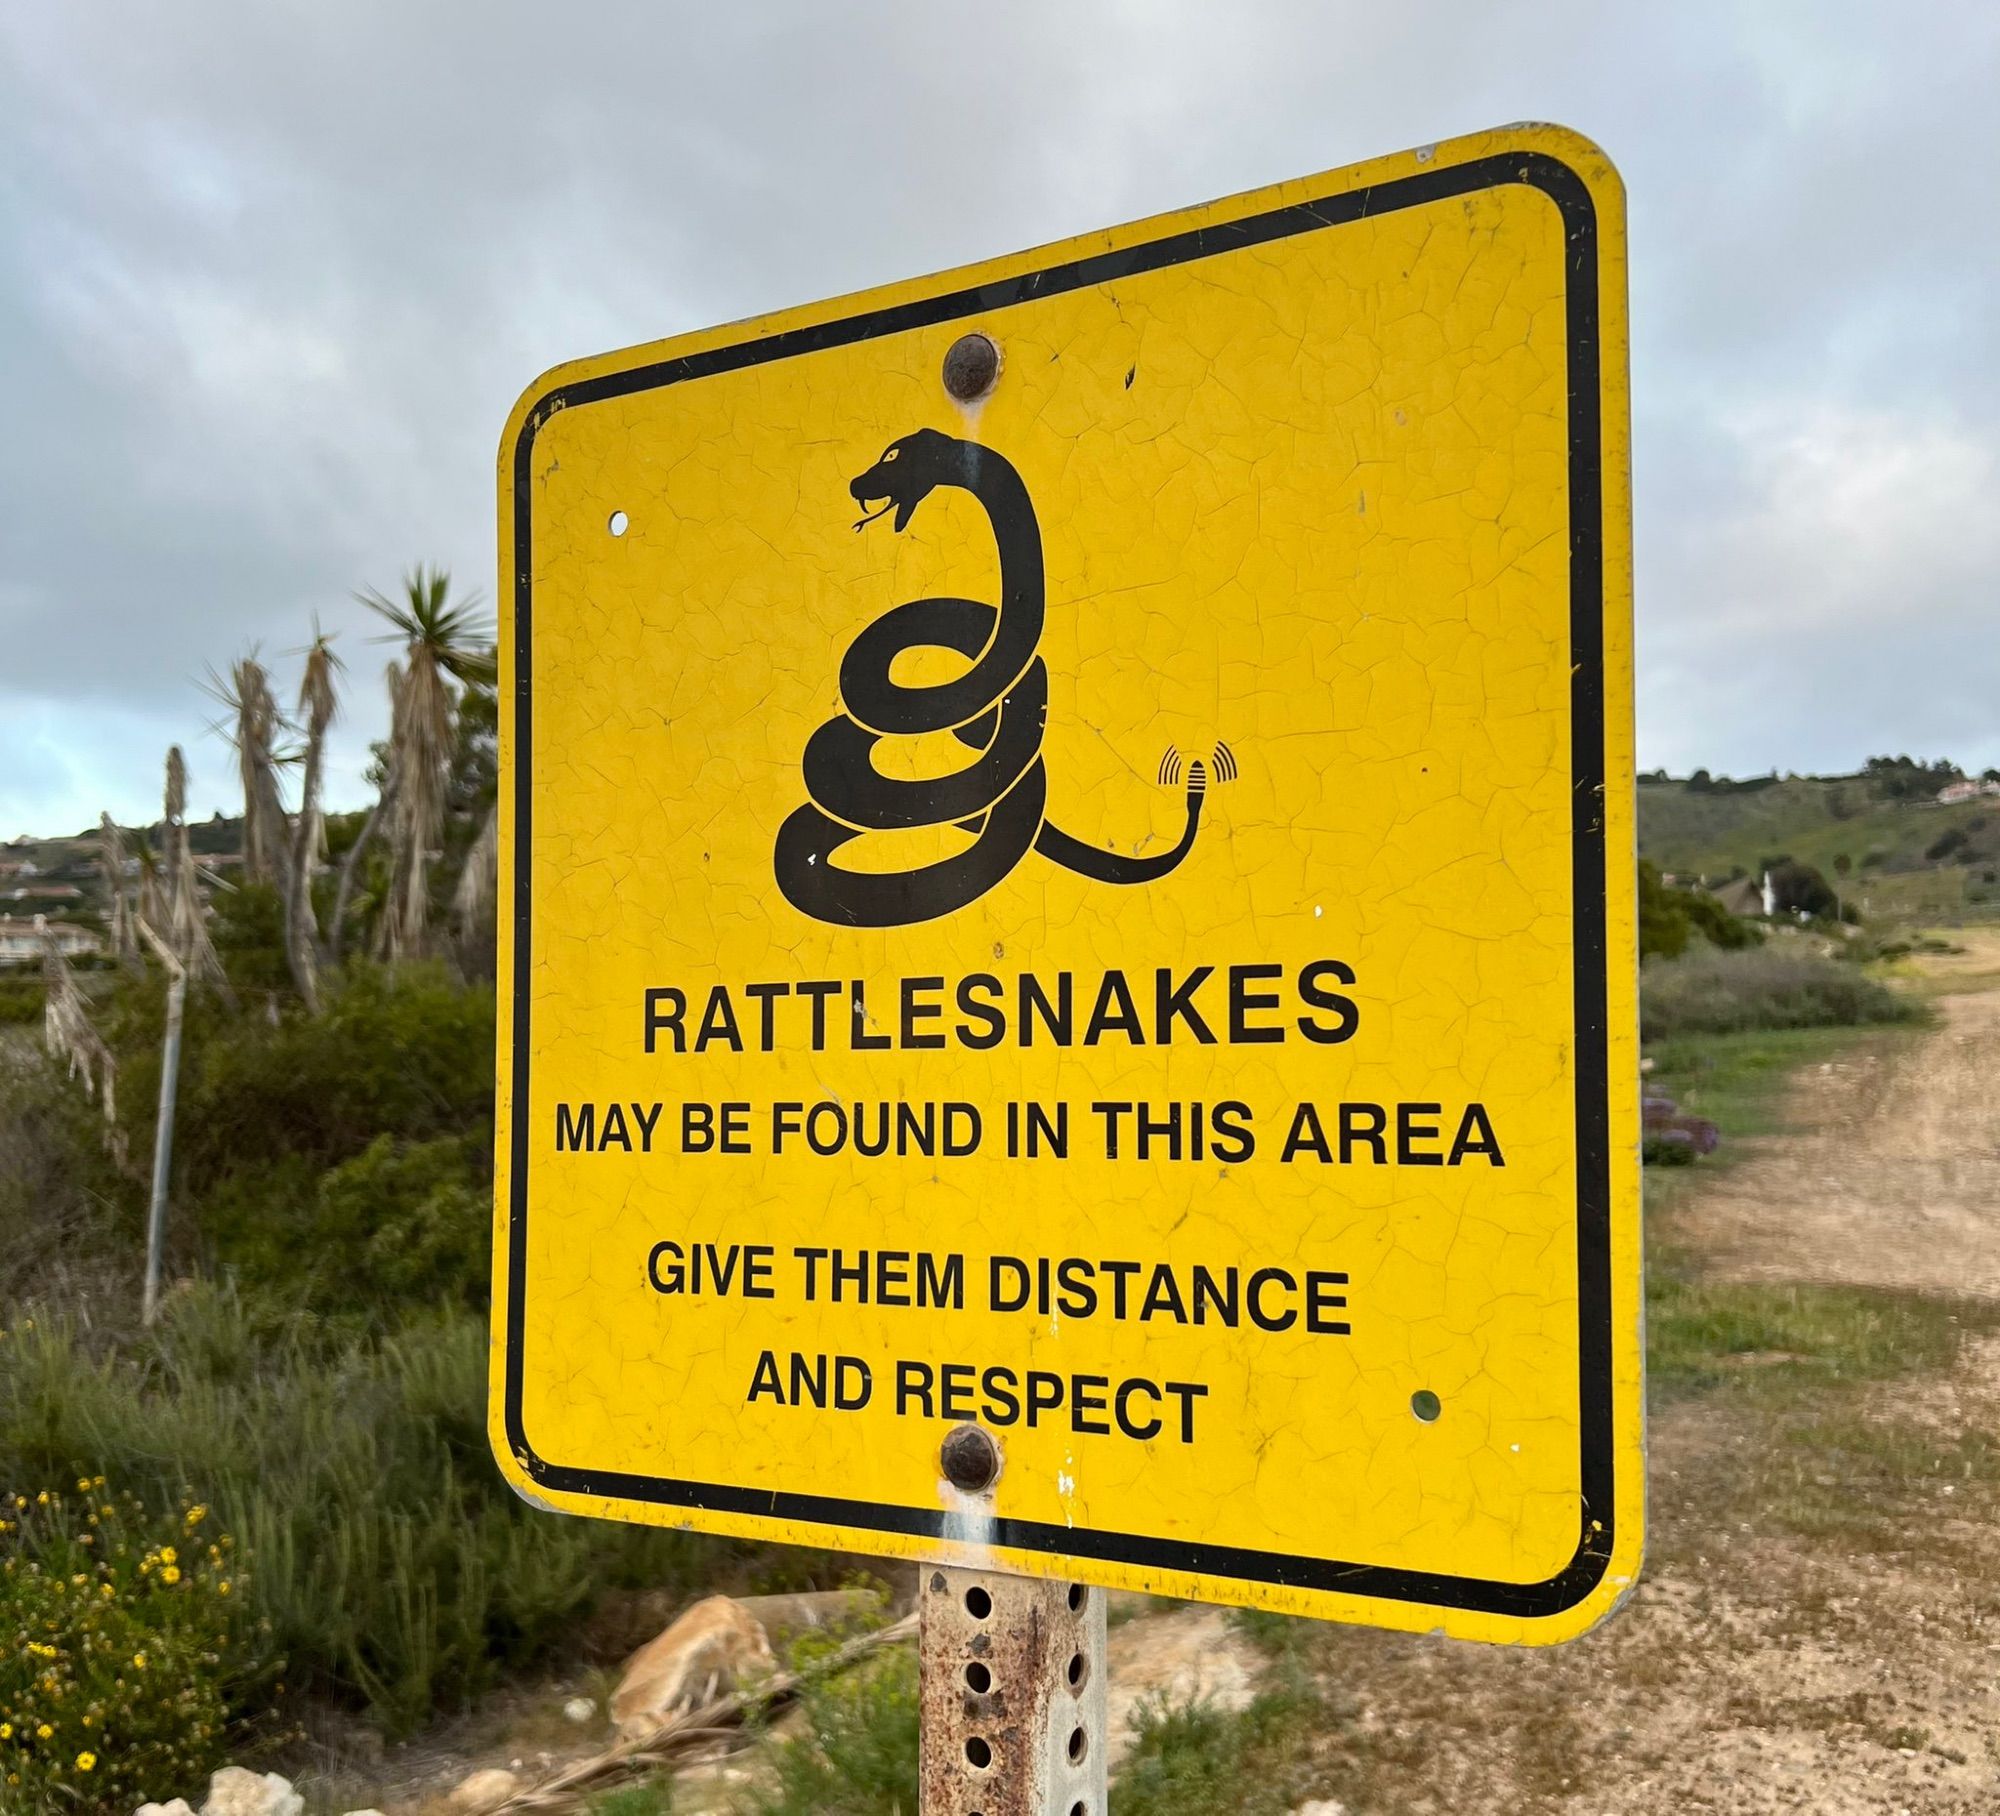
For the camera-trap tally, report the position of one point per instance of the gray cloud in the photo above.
(270, 277)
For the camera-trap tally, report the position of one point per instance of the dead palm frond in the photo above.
(318, 705)
(442, 643)
(253, 727)
(479, 882)
(152, 912)
(67, 1033)
(173, 824)
(185, 929)
(117, 908)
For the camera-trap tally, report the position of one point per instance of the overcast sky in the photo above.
(273, 272)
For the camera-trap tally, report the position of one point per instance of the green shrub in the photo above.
(858, 1754)
(393, 1563)
(61, 1194)
(343, 1159)
(407, 1053)
(1193, 1759)
(401, 1224)
(1669, 918)
(1706, 991)
(20, 1001)
(128, 1658)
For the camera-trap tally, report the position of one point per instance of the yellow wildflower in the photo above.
(171, 1575)
(168, 1555)
(45, 1732)
(86, 1762)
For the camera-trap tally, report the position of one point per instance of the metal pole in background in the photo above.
(1012, 1675)
(163, 1128)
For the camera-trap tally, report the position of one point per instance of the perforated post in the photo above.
(1013, 1696)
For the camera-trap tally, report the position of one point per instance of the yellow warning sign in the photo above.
(1071, 839)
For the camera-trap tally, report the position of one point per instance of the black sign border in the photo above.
(1597, 1502)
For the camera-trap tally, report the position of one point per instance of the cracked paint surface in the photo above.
(1312, 497)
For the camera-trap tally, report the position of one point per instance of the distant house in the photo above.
(47, 892)
(1743, 897)
(21, 941)
(1954, 792)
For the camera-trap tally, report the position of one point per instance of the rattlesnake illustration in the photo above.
(997, 707)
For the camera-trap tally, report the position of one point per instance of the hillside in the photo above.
(1901, 857)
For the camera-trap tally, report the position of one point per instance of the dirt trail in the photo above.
(1798, 1642)
(1892, 1174)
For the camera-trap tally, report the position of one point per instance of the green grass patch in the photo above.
(1739, 1081)
(1777, 1342)
(636, 1800)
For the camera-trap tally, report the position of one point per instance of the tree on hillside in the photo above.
(1909, 779)
(446, 648)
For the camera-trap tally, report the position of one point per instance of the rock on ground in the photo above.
(235, 1792)
(704, 1654)
(1188, 1655)
(485, 1789)
(179, 1807)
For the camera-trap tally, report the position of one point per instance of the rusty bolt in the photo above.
(970, 1459)
(971, 367)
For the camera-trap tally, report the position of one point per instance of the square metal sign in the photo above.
(1071, 840)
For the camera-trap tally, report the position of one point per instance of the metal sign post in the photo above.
(1013, 1695)
(1069, 828)
(1012, 1674)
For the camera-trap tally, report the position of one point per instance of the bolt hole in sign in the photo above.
(1101, 911)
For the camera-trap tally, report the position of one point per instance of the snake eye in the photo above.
(890, 455)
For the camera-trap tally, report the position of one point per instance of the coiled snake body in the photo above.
(998, 708)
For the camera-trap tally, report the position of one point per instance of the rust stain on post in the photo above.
(1013, 1696)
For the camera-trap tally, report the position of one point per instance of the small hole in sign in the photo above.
(978, 1753)
(1078, 1595)
(1426, 1405)
(978, 1603)
(1079, 1744)
(619, 523)
(978, 1679)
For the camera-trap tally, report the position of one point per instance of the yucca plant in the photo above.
(318, 706)
(444, 642)
(253, 727)
(185, 926)
(117, 909)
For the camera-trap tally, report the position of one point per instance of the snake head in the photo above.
(905, 474)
